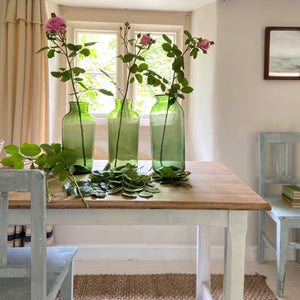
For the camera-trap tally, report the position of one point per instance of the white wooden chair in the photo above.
(38, 272)
(286, 217)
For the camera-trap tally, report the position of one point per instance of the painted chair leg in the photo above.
(260, 241)
(66, 291)
(281, 253)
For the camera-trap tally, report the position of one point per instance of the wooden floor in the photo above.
(292, 287)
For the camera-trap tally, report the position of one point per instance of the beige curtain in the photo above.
(24, 91)
(24, 100)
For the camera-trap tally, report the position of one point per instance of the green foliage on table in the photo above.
(51, 158)
(126, 181)
(168, 175)
(123, 180)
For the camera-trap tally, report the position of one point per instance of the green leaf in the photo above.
(51, 53)
(73, 47)
(11, 149)
(51, 160)
(187, 34)
(165, 81)
(73, 54)
(128, 57)
(63, 175)
(106, 92)
(130, 195)
(167, 47)
(131, 81)
(180, 76)
(30, 149)
(69, 156)
(115, 190)
(131, 190)
(17, 157)
(59, 168)
(48, 149)
(139, 78)
(170, 54)
(56, 147)
(178, 63)
(187, 89)
(7, 162)
(142, 67)
(18, 165)
(134, 68)
(85, 51)
(42, 49)
(89, 44)
(167, 39)
(56, 74)
(77, 70)
(98, 194)
(150, 79)
(145, 194)
(41, 160)
(194, 52)
(66, 75)
(184, 82)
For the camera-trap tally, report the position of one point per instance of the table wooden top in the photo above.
(212, 186)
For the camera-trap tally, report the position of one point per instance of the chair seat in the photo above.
(58, 262)
(281, 209)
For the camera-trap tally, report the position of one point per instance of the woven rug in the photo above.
(160, 286)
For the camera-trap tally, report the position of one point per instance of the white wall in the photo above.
(242, 103)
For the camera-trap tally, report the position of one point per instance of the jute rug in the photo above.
(160, 286)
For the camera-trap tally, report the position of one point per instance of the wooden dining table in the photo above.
(214, 197)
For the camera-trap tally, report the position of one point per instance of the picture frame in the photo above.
(282, 53)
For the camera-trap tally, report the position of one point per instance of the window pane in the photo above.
(103, 57)
(158, 62)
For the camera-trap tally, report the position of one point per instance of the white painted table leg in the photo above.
(203, 274)
(235, 246)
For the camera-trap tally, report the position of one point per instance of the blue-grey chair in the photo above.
(38, 272)
(280, 148)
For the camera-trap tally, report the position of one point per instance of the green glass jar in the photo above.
(123, 134)
(79, 138)
(167, 135)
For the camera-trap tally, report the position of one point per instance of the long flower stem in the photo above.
(163, 137)
(121, 115)
(78, 106)
(165, 125)
(73, 180)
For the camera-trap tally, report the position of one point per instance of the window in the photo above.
(102, 26)
(104, 54)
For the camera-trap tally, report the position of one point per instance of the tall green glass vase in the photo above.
(167, 135)
(123, 134)
(79, 134)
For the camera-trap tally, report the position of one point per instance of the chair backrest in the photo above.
(283, 144)
(32, 181)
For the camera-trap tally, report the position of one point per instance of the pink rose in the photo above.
(55, 25)
(204, 44)
(145, 40)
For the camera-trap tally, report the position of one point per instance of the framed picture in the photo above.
(282, 53)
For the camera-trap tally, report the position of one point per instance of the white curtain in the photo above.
(24, 90)
(24, 99)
